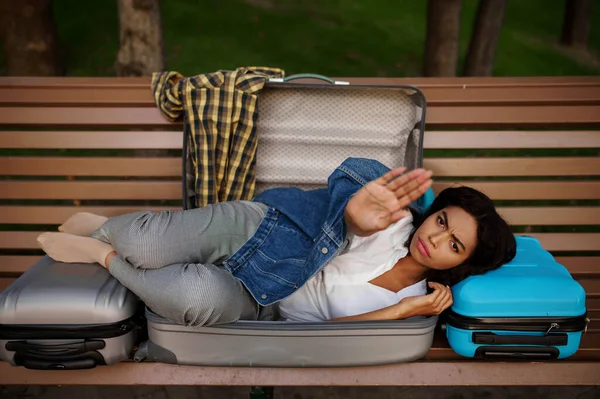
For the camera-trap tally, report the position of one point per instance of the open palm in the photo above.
(383, 201)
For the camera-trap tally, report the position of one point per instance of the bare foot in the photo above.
(70, 248)
(82, 224)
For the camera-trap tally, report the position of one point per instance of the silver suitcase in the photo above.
(305, 131)
(67, 316)
(287, 344)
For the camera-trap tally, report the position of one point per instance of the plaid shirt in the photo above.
(219, 114)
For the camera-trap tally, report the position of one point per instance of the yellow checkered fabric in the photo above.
(219, 113)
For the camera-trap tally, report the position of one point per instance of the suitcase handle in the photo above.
(309, 76)
(57, 350)
(516, 353)
(544, 340)
(79, 364)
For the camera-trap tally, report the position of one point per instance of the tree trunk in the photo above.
(441, 47)
(576, 23)
(29, 38)
(141, 39)
(484, 42)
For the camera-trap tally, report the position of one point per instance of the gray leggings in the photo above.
(171, 259)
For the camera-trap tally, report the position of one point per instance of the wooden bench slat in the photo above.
(41, 82)
(5, 282)
(91, 190)
(83, 116)
(580, 265)
(16, 263)
(163, 140)
(517, 216)
(591, 286)
(530, 190)
(424, 373)
(454, 94)
(550, 241)
(171, 190)
(491, 82)
(443, 115)
(536, 216)
(502, 139)
(91, 166)
(58, 214)
(510, 139)
(509, 166)
(568, 241)
(163, 166)
(76, 81)
(440, 93)
(481, 94)
(592, 304)
(98, 95)
(512, 115)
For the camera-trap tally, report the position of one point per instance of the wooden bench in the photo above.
(99, 144)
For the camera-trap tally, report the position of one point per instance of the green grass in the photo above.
(331, 37)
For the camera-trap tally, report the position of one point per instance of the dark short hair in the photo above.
(496, 244)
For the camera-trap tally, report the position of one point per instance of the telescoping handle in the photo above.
(309, 76)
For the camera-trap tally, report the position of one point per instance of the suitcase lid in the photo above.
(55, 293)
(533, 284)
(305, 130)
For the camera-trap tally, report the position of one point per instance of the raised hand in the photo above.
(384, 201)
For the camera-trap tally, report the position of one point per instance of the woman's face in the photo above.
(445, 239)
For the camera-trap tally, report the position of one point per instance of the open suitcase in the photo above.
(305, 130)
(65, 316)
(530, 308)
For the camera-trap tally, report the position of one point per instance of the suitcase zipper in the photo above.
(542, 324)
(552, 326)
(24, 331)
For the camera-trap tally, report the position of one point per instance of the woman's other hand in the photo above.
(427, 305)
(384, 201)
(423, 305)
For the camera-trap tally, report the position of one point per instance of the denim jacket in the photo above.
(300, 233)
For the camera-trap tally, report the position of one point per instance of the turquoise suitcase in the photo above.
(530, 308)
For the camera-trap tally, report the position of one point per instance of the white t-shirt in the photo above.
(342, 287)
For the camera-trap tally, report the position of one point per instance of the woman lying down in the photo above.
(352, 251)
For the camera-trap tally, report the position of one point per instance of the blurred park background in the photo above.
(388, 38)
